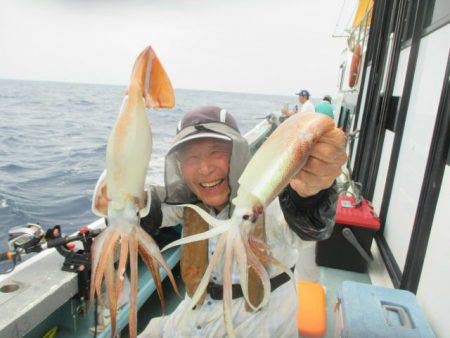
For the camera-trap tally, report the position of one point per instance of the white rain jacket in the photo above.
(276, 319)
(286, 227)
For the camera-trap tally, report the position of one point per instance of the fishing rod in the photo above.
(32, 238)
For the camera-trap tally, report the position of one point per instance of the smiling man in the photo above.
(202, 167)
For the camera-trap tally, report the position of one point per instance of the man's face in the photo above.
(302, 99)
(204, 166)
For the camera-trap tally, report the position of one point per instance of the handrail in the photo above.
(362, 27)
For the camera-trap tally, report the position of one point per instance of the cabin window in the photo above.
(408, 20)
(343, 122)
(391, 114)
(341, 75)
(437, 10)
(448, 157)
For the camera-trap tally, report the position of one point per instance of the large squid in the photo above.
(122, 186)
(270, 170)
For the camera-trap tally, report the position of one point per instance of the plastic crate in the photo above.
(358, 222)
(370, 311)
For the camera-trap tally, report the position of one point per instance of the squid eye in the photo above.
(245, 217)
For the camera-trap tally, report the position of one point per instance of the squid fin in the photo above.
(150, 80)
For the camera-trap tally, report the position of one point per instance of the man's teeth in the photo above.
(211, 184)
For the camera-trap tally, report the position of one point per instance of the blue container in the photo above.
(366, 311)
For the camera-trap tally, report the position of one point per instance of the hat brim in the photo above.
(199, 136)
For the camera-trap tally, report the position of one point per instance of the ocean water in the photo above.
(53, 143)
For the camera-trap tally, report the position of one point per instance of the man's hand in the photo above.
(101, 199)
(285, 111)
(323, 165)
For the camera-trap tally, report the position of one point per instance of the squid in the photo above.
(269, 171)
(122, 186)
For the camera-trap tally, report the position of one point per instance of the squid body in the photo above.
(122, 187)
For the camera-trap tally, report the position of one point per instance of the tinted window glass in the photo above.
(436, 10)
(408, 21)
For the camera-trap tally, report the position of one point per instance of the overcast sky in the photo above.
(256, 46)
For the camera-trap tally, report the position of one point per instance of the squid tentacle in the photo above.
(256, 265)
(96, 247)
(152, 265)
(110, 294)
(108, 250)
(241, 260)
(133, 248)
(206, 276)
(157, 279)
(149, 245)
(201, 288)
(121, 268)
(227, 282)
(270, 259)
(110, 241)
(201, 236)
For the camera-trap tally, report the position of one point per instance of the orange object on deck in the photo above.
(311, 315)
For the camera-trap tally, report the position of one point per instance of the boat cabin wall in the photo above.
(347, 99)
(403, 161)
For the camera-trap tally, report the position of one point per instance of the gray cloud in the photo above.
(247, 46)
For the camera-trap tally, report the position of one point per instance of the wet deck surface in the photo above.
(331, 279)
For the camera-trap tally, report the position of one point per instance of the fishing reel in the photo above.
(25, 238)
(22, 240)
(349, 186)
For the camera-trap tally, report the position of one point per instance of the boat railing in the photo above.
(360, 33)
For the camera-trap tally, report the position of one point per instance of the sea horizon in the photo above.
(124, 85)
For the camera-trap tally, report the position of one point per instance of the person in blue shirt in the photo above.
(325, 107)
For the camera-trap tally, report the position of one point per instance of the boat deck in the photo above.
(307, 269)
(78, 325)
